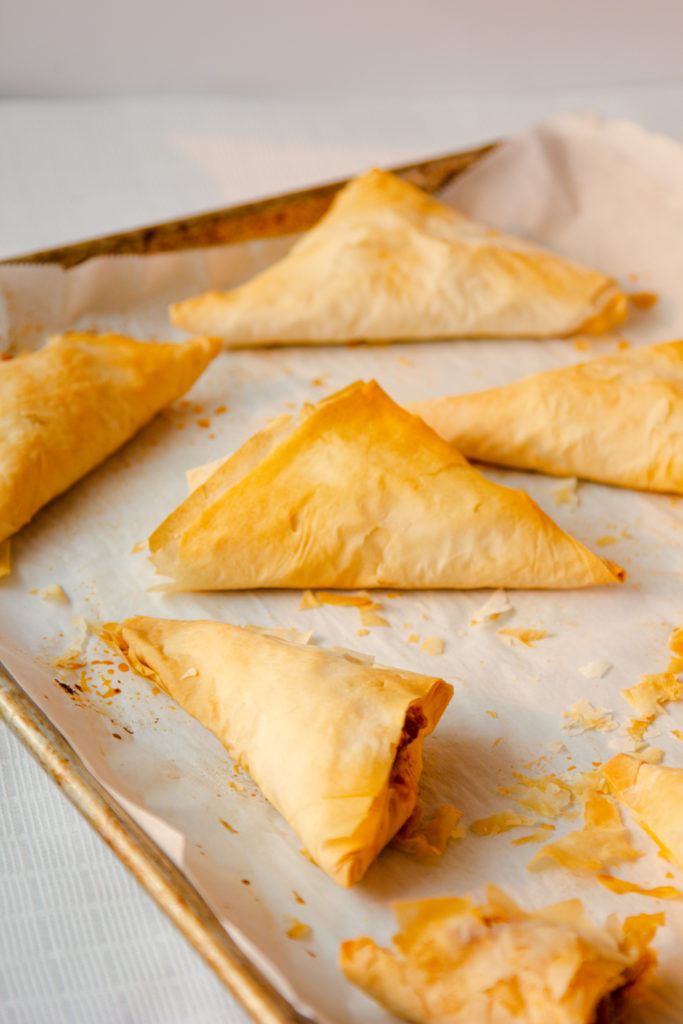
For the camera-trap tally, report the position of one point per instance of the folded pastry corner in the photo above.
(653, 793)
(335, 745)
(66, 407)
(458, 962)
(387, 262)
(357, 492)
(617, 420)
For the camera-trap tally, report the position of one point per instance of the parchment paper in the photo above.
(605, 193)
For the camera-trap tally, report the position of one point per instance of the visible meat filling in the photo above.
(403, 773)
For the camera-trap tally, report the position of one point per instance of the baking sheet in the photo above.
(605, 193)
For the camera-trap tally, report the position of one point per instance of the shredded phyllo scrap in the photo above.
(582, 716)
(5, 561)
(547, 796)
(370, 618)
(297, 929)
(524, 634)
(537, 836)
(620, 886)
(74, 656)
(603, 841)
(502, 821)
(429, 838)
(648, 695)
(596, 669)
(653, 794)
(565, 492)
(496, 606)
(53, 593)
(458, 962)
(295, 636)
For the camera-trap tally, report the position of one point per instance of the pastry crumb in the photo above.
(413, 638)
(190, 674)
(502, 821)
(497, 605)
(604, 542)
(53, 593)
(524, 634)
(139, 545)
(582, 717)
(229, 827)
(596, 669)
(429, 839)
(653, 755)
(297, 929)
(603, 841)
(643, 300)
(432, 645)
(362, 632)
(620, 886)
(309, 600)
(370, 618)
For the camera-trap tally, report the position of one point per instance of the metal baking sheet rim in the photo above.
(164, 882)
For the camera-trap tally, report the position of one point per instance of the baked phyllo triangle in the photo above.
(357, 492)
(333, 743)
(653, 794)
(458, 963)
(387, 263)
(66, 407)
(617, 420)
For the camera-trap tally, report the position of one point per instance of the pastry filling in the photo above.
(407, 766)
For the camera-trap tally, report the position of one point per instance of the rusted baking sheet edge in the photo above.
(150, 866)
(265, 218)
(166, 884)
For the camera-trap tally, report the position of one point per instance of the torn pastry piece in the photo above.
(359, 493)
(616, 420)
(387, 263)
(653, 794)
(458, 963)
(335, 745)
(66, 407)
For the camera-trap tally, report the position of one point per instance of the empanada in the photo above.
(334, 744)
(359, 493)
(617, 420)
(66, 407)
(653, 794)
(457, 963)
(387, 262)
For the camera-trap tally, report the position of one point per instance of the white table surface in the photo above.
(80, 941)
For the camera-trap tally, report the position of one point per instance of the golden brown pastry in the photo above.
(457, 963)
(653, 794)
(387, 262)
(359, 493)
(333, 743)
(65, 408)
(617, 420)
